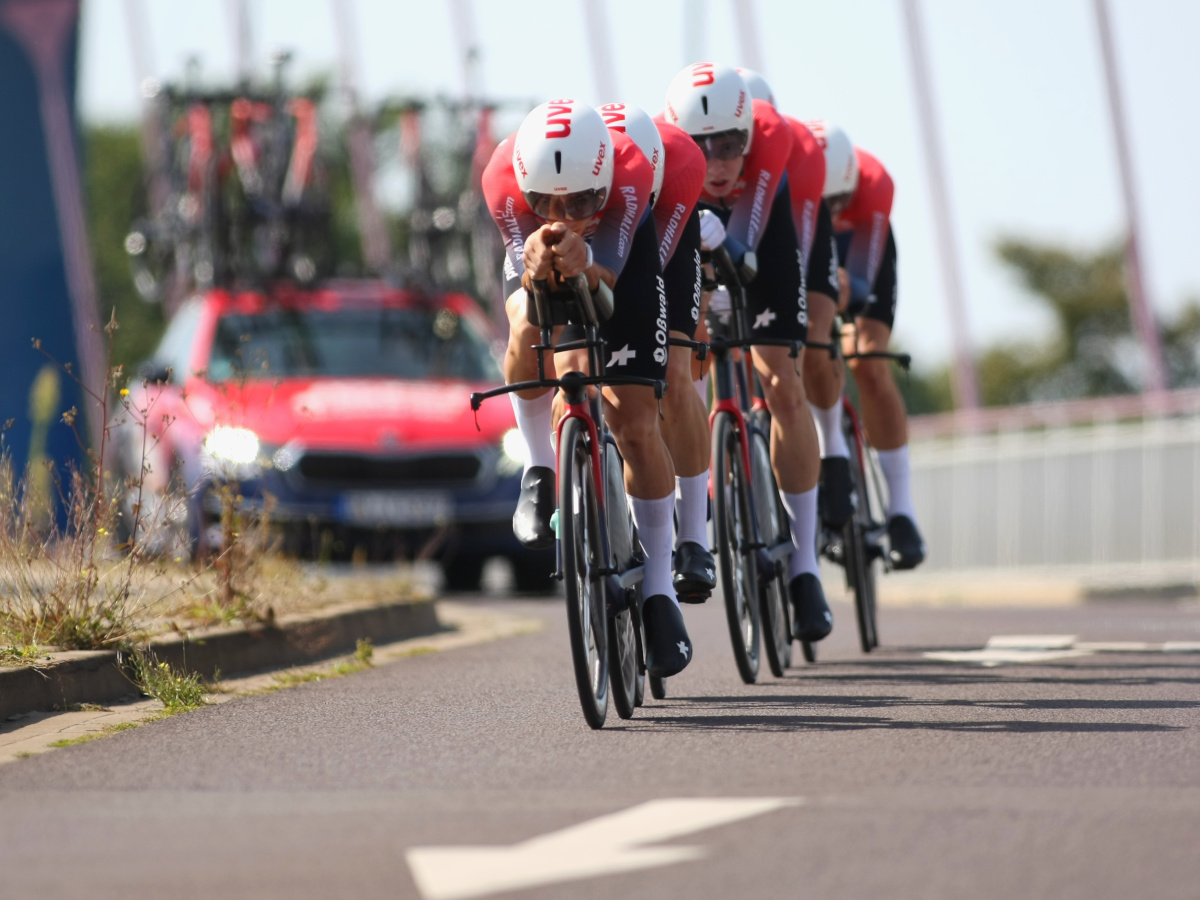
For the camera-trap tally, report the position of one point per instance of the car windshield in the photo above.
(350, 343)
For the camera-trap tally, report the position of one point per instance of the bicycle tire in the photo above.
(772, 585)
(582, 558)
(734, 539)
(658, 687)
(859, 564)
(624, 662)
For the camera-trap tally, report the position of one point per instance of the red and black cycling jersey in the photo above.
(683, 180)
(610, 233)
(749, 203)
(806, 182)
(866, 219)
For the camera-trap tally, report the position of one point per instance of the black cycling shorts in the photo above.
(881, 303)
(682, 277)
(821, 274)
(776, 298)
(636, 334)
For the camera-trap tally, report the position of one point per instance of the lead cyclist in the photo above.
(569, 197)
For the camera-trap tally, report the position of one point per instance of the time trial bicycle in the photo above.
(599, 557)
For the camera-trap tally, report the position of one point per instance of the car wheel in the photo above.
(463, 573)
(534, 573)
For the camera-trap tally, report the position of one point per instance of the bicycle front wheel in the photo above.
(772, 582)
(583, 560)
(735, 542)
(860, 563)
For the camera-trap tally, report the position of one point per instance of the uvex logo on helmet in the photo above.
(614, 115)
(702, 74)
(558, 118)
(520, 163)
(741, 104)
(599, 161)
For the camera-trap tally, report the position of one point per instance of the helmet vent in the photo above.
(558, 161)
(704, 103)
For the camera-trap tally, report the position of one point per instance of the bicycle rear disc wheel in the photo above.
(583, 559)
(772, 588)
(734, 542)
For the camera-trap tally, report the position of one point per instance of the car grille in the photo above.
(360, 469)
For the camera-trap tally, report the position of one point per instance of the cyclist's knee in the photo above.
(873, 376)
(632, 415)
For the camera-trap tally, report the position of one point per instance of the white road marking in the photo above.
(996, 657)
(1031, 642)
(602, 846)
(1181, 647)
(1116, 646)
(1035, 648)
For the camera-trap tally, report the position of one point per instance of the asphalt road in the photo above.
(1077, 776)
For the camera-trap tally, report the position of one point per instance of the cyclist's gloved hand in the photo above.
(712, 231)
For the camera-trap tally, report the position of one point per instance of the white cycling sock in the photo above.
(701, 384)
(802, 517)
(534, 422)
(691, 509)
(829, 430)
(897, 474)
(654, 519)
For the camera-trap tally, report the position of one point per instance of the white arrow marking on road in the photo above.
(603, 846)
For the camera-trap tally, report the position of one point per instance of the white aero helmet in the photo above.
(713, 105)
(757, 85)
(841, 164)
(563, 160)
(636, 122)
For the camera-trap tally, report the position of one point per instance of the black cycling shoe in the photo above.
(668, 647)
(812, 619)
(531, 521)
(695, 572)
(907, 550)
(834, 501)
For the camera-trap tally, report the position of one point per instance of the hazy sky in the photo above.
(1018, 86)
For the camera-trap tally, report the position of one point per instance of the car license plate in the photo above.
(405, 508)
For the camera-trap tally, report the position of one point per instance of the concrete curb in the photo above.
(93, 676)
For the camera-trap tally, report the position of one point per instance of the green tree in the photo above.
(115, 195)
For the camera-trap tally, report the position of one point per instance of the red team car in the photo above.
(347, 405)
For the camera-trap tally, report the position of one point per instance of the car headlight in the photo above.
(232, 452)
(513, 453)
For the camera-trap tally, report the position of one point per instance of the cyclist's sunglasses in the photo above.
(724, 146)
(576, 206)
(838, 202)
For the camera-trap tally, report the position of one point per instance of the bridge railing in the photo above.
(1098, 495)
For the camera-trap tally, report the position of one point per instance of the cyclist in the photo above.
(859, 192)
(823, 377)
(679, 170)
(569, 197)
(747, 147)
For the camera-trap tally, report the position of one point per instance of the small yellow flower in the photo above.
(124, 392)
(102, 530)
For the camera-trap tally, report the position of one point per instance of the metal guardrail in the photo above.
(1110, 495)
